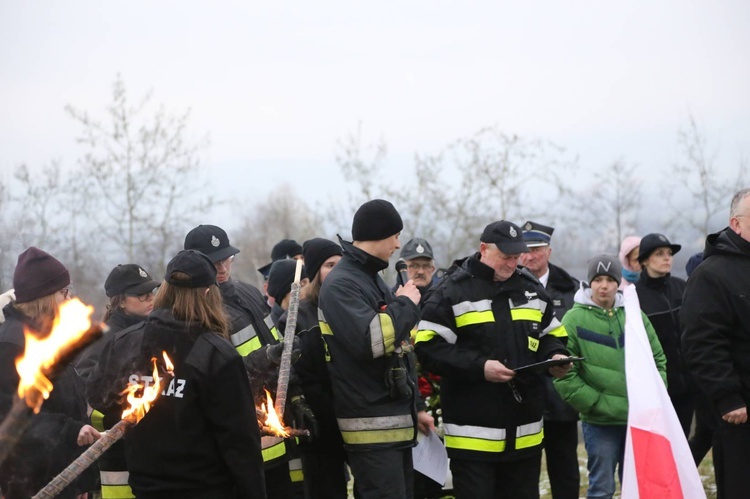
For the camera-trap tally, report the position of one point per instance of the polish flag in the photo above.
(658, 463)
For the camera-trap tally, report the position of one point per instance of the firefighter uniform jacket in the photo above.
(112, 465)
(200, 439)
(251, 327)
(364, 325)
(49, 443)
(470, 319)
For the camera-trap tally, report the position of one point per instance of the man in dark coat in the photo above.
(715, 316)
(367, 328)
(560, 419)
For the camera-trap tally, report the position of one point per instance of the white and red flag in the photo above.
(658, 463)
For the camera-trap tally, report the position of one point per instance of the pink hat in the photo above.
(628, 244)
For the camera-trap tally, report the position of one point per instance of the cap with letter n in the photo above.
(506, 236)
(603, 264)
(536, 234)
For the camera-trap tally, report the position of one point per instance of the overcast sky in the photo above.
(278, 83)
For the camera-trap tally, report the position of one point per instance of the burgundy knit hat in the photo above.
(38, 274)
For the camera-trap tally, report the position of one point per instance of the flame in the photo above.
(141, 404)
(272, 419)
(72, 322)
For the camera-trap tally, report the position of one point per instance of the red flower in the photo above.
(425, 388)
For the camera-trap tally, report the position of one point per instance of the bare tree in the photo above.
(141, 176)
(285, 216)
(610, 204)
(452, 194)
(708, 188)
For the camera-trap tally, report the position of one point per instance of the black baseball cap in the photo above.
(286, 248)
(196, 265)
(212, 241)
(416, 248)
(129, 279)
(507, 236)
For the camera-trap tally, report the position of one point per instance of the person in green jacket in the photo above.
(596, 387)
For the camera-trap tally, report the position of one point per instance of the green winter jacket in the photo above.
(596, 387)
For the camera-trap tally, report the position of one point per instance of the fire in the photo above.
(70, 325)
(141, 404)
(272, 419)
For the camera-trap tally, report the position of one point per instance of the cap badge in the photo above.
(600, 267)
(142, 273)
(662, 238)
(420, 248)
(527, 226)
(215, 241)
(512, 232)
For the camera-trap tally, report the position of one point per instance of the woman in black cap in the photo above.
(131, 291)
(200, 440)
(57, 434)
(660, 295)
(323, 456)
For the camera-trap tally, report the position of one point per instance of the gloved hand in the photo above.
(274, 351)
(304, 416)
(397, 381)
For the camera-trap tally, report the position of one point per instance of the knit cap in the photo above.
(38, 274)
(315, 252)
(281, 277)
(375, 220)
(605, 265)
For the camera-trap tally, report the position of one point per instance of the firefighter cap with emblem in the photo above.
(506, 236)
(212, 241)
(129, 279)
(536, 234)
(416, 248)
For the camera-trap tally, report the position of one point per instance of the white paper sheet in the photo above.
(430, 457)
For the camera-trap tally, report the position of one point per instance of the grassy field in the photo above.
(706, 470)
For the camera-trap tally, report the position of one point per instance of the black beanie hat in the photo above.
(280, 278)
(315, 252)
(375, 220)
(38, 274)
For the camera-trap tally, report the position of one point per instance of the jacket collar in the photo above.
(653, 282)
(371, 264)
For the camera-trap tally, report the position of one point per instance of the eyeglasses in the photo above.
(419, 266)
(66, 292)
(145, 296)
(224, 262)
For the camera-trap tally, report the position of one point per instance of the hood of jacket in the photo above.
(583, 297)
(726, 242)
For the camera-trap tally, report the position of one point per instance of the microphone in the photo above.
(403, 276)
